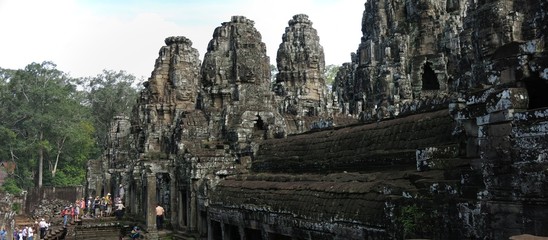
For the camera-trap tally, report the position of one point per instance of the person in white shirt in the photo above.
(30, 234)
(119, 212)
(43, 225)
(25, 232)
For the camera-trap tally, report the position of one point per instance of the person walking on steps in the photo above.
(119, 212)
(30, 233)
(42, 224)
(159, 216)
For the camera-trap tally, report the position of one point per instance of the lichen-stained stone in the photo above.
(345, 91)
(403, 55)
(236, 85)
(235, 55)
(300, 82)
(172, 88)
(417, 50)
(357, 148)
(176, 75)
(452, 141)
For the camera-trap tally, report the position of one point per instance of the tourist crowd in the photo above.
(91, 208)
(82, 208)
(25, 233)
(94, 208)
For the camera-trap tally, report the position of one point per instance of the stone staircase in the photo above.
(56, 233)
(106, 228)
(22, 221)
(106, 231)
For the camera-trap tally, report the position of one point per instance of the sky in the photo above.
(85, 37)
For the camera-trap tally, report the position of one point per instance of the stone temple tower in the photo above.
(171, 89)
(236, 86)
(300, 83)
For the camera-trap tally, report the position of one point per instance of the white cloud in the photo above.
(32, 31)
(83, 41)
(130, 45)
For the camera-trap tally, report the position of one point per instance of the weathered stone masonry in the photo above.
(437, 128)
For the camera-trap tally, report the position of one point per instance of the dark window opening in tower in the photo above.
(310, 111)
(537, 89)
(259, 124)
(199, 101)
(429, 79)
(451, 84)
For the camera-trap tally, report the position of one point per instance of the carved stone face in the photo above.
(405, 89)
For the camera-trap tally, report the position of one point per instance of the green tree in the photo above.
(10, 186)
(273, 72)
(7, 136)
(42, 107)
(109, 94)
(330, 73)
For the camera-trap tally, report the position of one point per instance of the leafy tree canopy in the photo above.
(51, 124)
(109, 94)
(330, 73)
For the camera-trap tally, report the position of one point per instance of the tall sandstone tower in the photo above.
(300, 83)
(236, 85)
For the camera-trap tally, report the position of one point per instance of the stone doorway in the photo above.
(162, 192)
(232, 232)
(537, 89)
(183, 208)
(429, 79)
(216, 231)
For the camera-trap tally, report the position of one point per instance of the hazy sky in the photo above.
(83, 37)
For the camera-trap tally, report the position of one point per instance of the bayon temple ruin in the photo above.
(436, 128)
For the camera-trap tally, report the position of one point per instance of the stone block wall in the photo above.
(355, 182)
(385, 144)
(515, 174)
(35, 196)
(300, 206)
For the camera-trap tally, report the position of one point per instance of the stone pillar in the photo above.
(241, 229)
(174, 204)
(210, 231)
(225, 232)
(193, 210)
(107, 184)
(134, 195)
(98, 187)
(151, 203)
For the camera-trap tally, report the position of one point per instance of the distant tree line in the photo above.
(51, 124)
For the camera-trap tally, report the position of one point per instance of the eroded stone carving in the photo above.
(453, 132)
(300, 83)
(236, 80)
